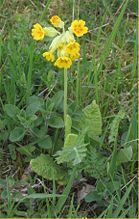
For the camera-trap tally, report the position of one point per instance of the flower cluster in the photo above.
(63, 49)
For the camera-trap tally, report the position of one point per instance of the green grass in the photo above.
(28, 85)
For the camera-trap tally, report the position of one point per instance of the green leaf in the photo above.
(26, 150)
(92, 121)
(27, 122)
(12, 150)
(94, 164)
(4, 194)
(93, 196)
(74, 150)
(70, 140)
(45, 143)
(56, 122)
(113, 186)
(65, 194)
(34, 105)
(1, 124)
(4, 135)
(3, 183)
(115, 126)
(11, 110)
(111, 38)
(45, 166)
(122, 201)
(124, 155)
(111, 167)
(68, 125)
(17, 134)
(49, 106)
(41, 196)
(57, 99)
(40, 131)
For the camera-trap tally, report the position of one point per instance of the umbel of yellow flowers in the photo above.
(63, 49)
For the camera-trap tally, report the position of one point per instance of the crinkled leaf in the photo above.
(11, 110)
(74, 150)
(70, 140)
(27, 120)
(17, 134)
(45, 166)
(92, 120)
(115, 126)
(94, 163)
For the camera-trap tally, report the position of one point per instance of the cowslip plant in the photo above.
(63, 51)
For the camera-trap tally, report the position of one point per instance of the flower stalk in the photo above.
(78, 85)
(65, 94)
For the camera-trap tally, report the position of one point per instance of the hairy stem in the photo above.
(78, 83)
(65, 94)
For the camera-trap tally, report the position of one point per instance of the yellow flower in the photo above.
(78, 28)
(61, 50)
(38, 32)
(75, 56)
(63, 62)
(73, 48)
(61, 46)
(49, 56)
(56, 21)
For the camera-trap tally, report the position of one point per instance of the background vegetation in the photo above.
(29, 86)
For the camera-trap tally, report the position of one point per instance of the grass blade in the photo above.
(122, 202)
(65, 194)
(108, 45)
(45, 10)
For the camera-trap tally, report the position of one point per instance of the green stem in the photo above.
(78, 83)
(65, 94)
(78, 86)
(73, 10)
